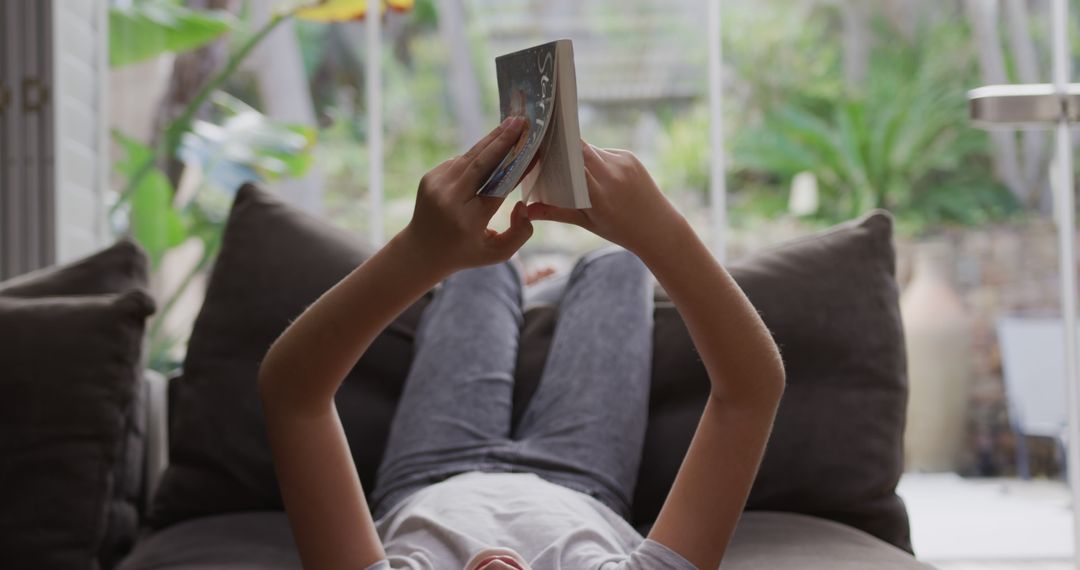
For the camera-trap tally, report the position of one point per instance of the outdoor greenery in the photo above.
(145, 30)
(419, 129)
(242, 146)
(898, 138)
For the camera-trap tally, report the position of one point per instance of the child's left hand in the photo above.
(450, 222)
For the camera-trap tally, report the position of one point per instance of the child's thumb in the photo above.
(519, 232)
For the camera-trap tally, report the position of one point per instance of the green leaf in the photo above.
(135, 155)
(297, 162)
(143, 30)
(901, 139)
(154, 223)
(246, 146)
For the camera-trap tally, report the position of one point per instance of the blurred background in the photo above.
(829, 108)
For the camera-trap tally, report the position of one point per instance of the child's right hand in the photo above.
(628, 208)
(450, 222)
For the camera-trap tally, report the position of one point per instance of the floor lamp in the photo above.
(1051, 105)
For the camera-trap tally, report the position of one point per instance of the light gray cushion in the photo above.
(768, 541)
(259, 540)
(763, 540)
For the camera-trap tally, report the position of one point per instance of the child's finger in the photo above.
(480, 145)
(474, 171)
(539, 211)
(592, 158)
(609, 153)
(488, 205)
(509, 241)
(592, 183)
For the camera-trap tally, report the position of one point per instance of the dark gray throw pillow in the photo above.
(274, 262)
(831, 302)
(116, 269)
(68, 372)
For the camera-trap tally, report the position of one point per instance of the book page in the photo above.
(559, 178)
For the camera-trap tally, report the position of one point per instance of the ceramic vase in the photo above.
(937, 332)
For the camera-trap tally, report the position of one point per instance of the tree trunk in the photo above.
(1034, 141)
(983, 15)
(286, 97)
(906, 15)
(464, 83)
(191, 71)
(857, 43)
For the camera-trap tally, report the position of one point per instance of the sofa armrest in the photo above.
(157, 431)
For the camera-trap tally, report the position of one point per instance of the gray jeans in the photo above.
(584, 426)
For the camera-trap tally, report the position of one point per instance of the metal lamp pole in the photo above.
(1067, 254)
(1057, 105)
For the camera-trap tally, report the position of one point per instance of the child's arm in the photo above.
(305, 366)
(742, 360)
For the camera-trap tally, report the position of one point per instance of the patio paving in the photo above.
(989, 524)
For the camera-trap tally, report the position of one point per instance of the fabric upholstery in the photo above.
(762, 541)
(830, 301)
(69, 375)
(770, 540)
(116, 269)
(237, 541)
(274, 262)
(832, 305)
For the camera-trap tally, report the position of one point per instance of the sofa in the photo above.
(201, 488)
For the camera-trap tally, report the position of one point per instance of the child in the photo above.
(457, 489)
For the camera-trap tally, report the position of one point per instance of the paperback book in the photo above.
(539, 83)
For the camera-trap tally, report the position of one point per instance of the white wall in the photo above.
(80, 52)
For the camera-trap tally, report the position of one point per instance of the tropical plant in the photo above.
(143, 30)
(241, 145)
(683, 151)
(419, 127)
(900, 142)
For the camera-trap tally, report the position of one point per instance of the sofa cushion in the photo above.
(830, 300)
(274, 262)
(762, 541)
(237, 541)
(115, 269)
(70, 368)
(118, 268)
(831, 303)
(770, 540)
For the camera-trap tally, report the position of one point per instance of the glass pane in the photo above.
(832, 109)
(838, 108)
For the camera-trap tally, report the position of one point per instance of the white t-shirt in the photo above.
(472, 517)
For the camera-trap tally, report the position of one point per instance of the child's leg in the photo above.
(585, 425)
(456, 405)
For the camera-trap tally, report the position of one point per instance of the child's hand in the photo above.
(450, 222)
(627, 207)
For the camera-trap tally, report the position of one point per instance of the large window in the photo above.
(830, 109)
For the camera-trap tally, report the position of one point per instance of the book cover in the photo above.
(527, 89)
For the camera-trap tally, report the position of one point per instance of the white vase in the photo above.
(937, 333)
